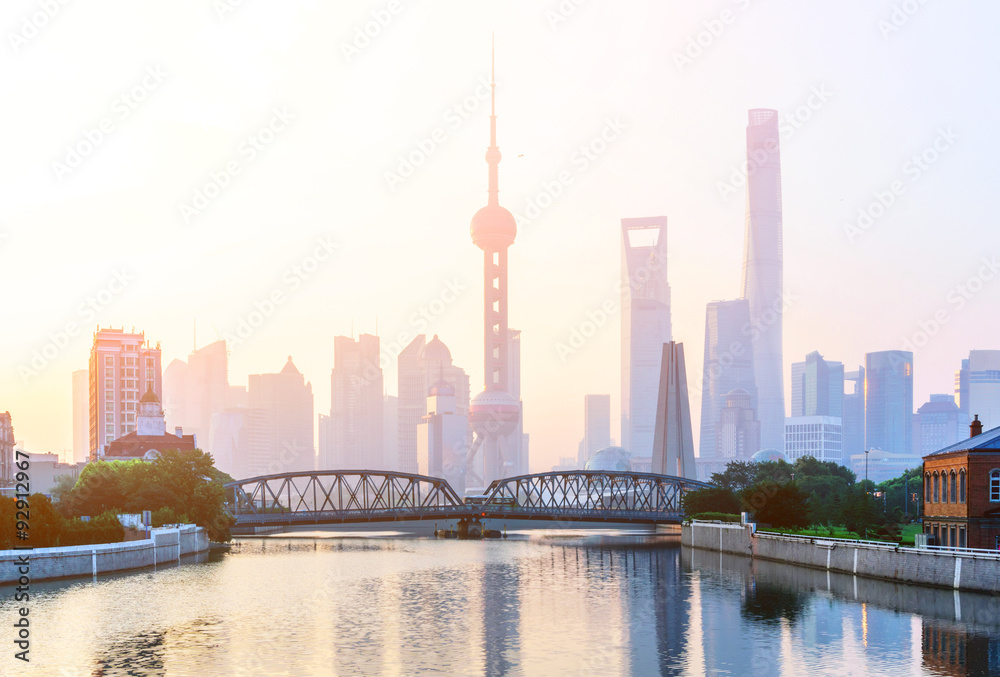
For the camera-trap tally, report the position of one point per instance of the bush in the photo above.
(710, 499)
(105, 528)
(780, 505)
(166, 515)
(713, 516)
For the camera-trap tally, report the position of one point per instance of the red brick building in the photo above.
(962, 491)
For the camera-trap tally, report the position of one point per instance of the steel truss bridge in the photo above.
(357, 496)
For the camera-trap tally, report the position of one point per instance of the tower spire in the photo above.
(493, 152)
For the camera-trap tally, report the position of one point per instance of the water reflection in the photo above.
(554, 603)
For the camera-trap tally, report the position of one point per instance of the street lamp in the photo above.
(866, 469)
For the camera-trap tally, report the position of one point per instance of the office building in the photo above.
(195, 390)
(419, 366)
(818, 436)
(122, 368)
(853, 422)
(817, 387)
(81, 416)
(443, 437)
(354, 439)
(762, 271)
(737, 433)
(645, 326)
(889, 401)
(938, 423)
(596, 427)
(241, 440)
(6, 448)
(286, 399)
(728, 366)
(984, 386)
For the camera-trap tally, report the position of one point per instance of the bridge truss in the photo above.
(346, 496)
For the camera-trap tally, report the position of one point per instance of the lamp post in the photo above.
(906, 493)
(866, 469)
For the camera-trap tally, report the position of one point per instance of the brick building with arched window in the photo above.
(962, 491)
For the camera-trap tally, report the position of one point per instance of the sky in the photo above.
(182, 163)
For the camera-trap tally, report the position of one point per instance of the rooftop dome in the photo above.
(615, 459)
(494, 411)
(765, 455)
(436, 353)
(150, 396)
(493, 227)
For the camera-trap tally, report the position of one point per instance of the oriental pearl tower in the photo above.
(493, 413)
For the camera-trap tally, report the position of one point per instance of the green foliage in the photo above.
(713, 516)
(185, 482)
(780, 505)
(710, 499)
(166, 515)
(105, 528)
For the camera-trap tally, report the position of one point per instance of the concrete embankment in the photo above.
(163, 547)
(979, 571)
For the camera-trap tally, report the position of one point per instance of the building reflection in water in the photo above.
(950, 649)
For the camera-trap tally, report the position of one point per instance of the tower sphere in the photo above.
(493, 227)
(494, 412)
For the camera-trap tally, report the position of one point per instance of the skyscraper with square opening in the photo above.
(645, 327)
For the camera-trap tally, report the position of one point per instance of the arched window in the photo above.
(995, 486)
(953, 491)
(937, 487)
(961, 485)
(927, 488)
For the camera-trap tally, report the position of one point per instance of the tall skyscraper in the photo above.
(122, 368)
(596, 427)
(287, 401)
(728, 366)
(984, 387)
(494, 414)
(817, 387)
(195, 390)
(516, 442)
(889, 401)
(962, 388)
(390, 432)
(645, 327)
(853, 421)
(762, 271)
(81, 416)
(673, 444)
(354, 437)
(420, 365)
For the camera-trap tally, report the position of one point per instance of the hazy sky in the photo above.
(290, 123)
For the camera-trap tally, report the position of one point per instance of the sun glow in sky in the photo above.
(179, 162)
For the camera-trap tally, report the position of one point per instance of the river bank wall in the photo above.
(958, 570)
(163, 547)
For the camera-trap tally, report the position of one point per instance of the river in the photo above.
(553, 602)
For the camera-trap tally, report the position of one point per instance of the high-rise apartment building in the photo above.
(817, 387)
(241, 440)
(762, 271)
(286, 399)
(122, 368)
(195, 390)
(81, 416)
(889, 401)
(419, 366)
(356, 426)
(728, 366)
(645, 325)
(596, 427)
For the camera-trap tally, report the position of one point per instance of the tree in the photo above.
(737, 476)
(710, 499)
(780, 505)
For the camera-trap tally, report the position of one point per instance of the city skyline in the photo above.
(158, 283)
